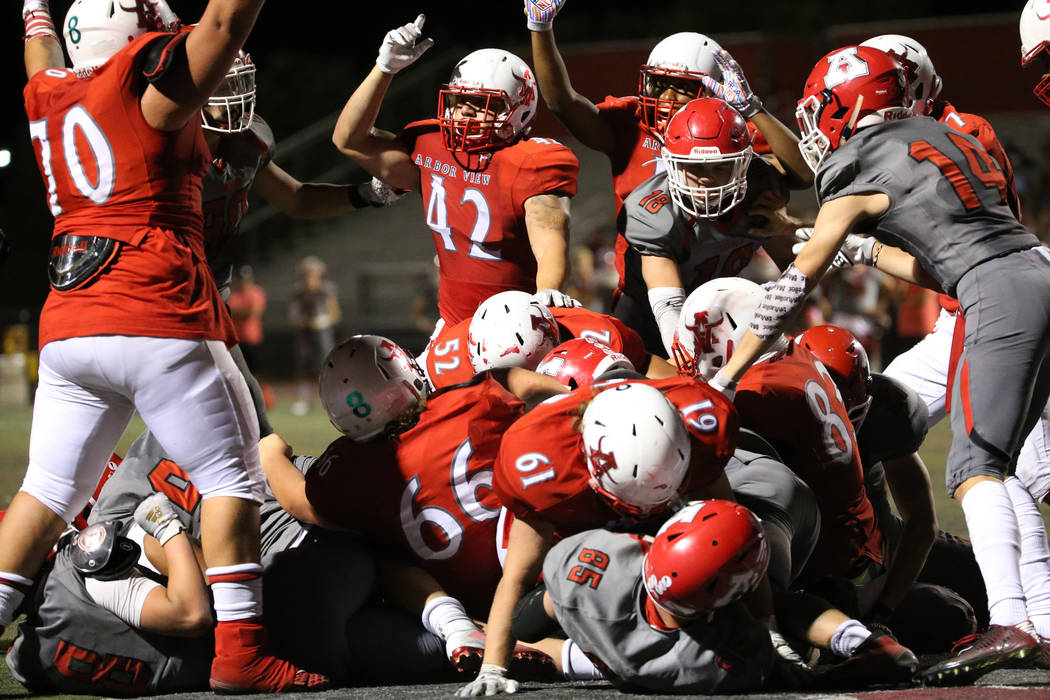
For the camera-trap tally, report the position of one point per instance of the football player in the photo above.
(426, 497)
(789, 399)
(515, 329)
(881, 172)
(890, 423)
(687, 633)
(694, 222)
(496, 201)
(629, 130)
(134, 316)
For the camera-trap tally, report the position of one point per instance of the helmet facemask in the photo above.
(814, 143)
(231, 107)
(726, 175)
(486, 124)
(654, 82)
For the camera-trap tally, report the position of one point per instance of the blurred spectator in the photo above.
(314, 312)
(247, 303)
(914, 310)
(858, 303)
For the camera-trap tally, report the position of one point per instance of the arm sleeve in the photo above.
(667, 307)
(124, 597)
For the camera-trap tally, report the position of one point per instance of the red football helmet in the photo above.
(848, 89)
(580, 361)
(847, 362)
(707, 149)
(705, 557)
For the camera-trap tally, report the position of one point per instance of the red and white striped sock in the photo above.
(236, 591)
(13, 590)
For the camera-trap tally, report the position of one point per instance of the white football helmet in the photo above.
(684, 56)
(231, 107)
(1035, 39)
(637, 448)
(494, 81)
(511, 329)
(94, 30)
(714, 318)
(924, 85)
(366, 382)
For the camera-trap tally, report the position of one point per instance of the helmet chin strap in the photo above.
(848, 131)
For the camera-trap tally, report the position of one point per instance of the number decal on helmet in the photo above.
(74, 33)
(844, 65)
(357, 402)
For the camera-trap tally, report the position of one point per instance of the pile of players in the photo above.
(676, 497)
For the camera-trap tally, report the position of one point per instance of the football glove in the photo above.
(552, 297)
(491, 680)
(158, 517)
(733, 88)
(402, 46)
(540, 14)
(855, 250)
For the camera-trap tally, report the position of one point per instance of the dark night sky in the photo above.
(336, 48)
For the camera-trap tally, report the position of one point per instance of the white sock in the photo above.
(850, 635)
(13, 589)
(996, 543)
(577, 666)
(1035, 555)
(236, 591)
(445, 615)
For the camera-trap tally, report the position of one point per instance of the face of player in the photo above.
(708, 174)
(476, 107)
(680, 90)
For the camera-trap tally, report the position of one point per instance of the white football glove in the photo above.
(552, 297)
(724, 385)
(402, 46)
(540, 14)
(158, 517)
(491, 680)
(855, 250)
(733, 88)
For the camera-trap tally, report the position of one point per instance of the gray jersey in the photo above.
(224, 198)
(702, 248)
(947, 195)
(70, 644)
(146, 469)
(602, 608)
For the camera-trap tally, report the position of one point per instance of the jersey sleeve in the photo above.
(649, 225)
(633, 345)
(159, 54)
(896, 423)
(264, 137)
(850, 171)
(621, 114)
(550, 168)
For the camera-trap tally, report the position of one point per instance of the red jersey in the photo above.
(791, 400)
(637, 154)
(541, 472)
(980, 129)
(477, 217)
(427, 494)
(109, 173)
(448, 355)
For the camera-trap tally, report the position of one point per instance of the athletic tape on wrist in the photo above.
(780, 302)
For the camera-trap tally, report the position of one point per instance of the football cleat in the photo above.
(465, 649)
(880, 660)
(241, 664)
(976, 654)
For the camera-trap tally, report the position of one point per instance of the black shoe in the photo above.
(977, 654)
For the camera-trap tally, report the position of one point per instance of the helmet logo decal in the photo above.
(703, 337)
(147, 16)
(526, 93)
(91, 538)
(602, 462)
(845, 66)
(659, 586)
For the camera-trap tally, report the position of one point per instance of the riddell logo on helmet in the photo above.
(659, 586)
(705, 151)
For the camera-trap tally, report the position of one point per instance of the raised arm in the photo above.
(318, 200)
(42, 47)
(379, 152)
(199, 64)
(547, 223)
(579, 115)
